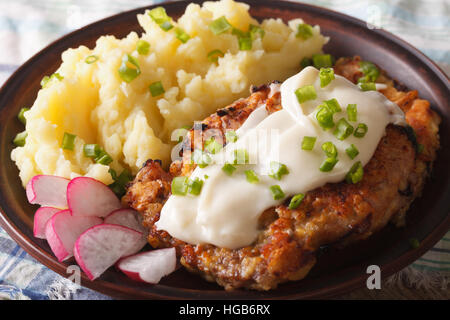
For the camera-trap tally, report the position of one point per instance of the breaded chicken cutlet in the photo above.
(288, 241)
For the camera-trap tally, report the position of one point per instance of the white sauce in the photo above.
(226, 212)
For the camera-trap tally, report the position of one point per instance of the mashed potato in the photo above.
(92, 102)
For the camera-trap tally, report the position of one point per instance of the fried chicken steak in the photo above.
(288, 241)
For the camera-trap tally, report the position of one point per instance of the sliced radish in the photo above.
(41, 218)
(131, 219)
(149, 266)
(63, 229)
(127, 218)
(90, 197)
(99, 247)
(49, 191)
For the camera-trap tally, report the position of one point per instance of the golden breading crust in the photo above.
(335, 213)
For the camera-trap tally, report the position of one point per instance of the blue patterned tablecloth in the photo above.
(26, 26)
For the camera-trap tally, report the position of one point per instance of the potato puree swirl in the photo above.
(226, 212)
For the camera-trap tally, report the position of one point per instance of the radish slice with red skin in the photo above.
(47, 190)
(63, 229)
(89, 197)
(128, 218)
(149, 266)
(131, 219)
(41, 217)
(99, 247)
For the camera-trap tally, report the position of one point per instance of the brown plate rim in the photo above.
(166, 292)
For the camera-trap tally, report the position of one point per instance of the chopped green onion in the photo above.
(245, 43)
(143, 47)
(105, 159)
(326, 75)
(68, 142)
(206, 176)
(21, 115)
(117, 188)
(20, 139)
(368, 86)
(361, 130)
(325, 117)
(306, 62)
(214, 55)
(277, 170)
(91, 150)
(57, 76)
(244, 39)
(159, 15)
(322, 60)
(124, 177)
(414, 243)
(363, 80)
(251, 176)
(212, 146)
(156, 88)
(355, 173)
(45, 80)
(277, 193)
(330, 149)
(231, 136)
(181, 35)
(180, 186)
(113, 173)
(220, 25)
(255, 30)
(195, 186)
(120, 182)
(228, 169)
(240, 33)
(370, 71)
(166, 26)
(306, 93)
(308, 143)
(343, 129)
(304, 31)
(129, 69)
(91, 59)
(202, 159)
(161, 18)
(240, 156)
(328, 164)
(333, 105)
(352, 112)
(296, 200)
(352, 151)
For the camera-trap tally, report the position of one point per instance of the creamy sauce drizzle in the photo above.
(226, 212)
